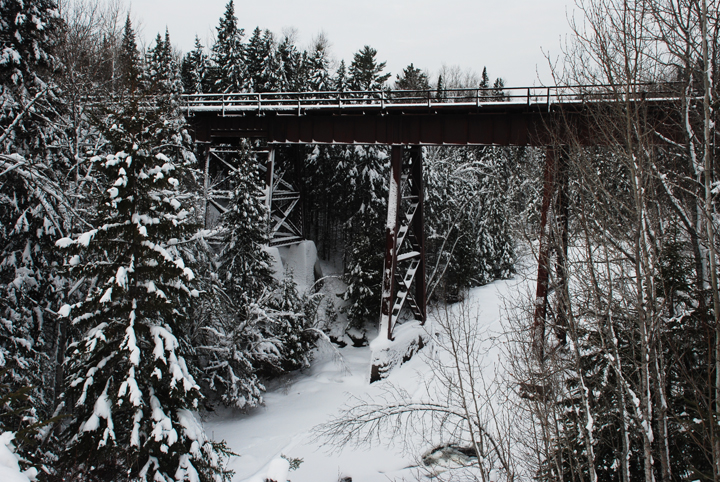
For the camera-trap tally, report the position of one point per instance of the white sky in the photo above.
(507, 36)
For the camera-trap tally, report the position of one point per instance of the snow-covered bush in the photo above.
(9, 462)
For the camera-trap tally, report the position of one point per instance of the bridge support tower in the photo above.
(404, 283)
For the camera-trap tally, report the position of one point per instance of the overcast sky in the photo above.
(507, 36)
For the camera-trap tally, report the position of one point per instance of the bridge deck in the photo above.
(515, 116)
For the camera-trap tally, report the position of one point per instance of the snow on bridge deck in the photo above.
(511, 116)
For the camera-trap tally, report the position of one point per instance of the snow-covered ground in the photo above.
(296, 405)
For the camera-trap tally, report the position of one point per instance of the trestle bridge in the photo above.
(547, 117)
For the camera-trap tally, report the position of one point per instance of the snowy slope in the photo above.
(284, 425)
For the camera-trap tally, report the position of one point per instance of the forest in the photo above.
(130, 307)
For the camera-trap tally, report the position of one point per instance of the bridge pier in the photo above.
(283, 203)
(404, 268)
(553, 240)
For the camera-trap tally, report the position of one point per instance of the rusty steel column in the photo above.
(270, 178)
(541, 293)
(418, 227)
(391, 234)
(206, 186)
(562, 211)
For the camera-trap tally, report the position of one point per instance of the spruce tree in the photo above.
(244, 266)
(194, 69)
(318, 67)
(28, 30)
(468, 217)
(290, 60)
(161, 79)
(440, 93)
(366, 202)
(271, 69)
(228, 53)
(498, 91)
(292, 326)
(33, 212)
(341, 80)
(131, 391)
(238, 335)
(255, 53)
(484, 79)
(366, 72)
(485, 84)
(130, 66)
(31, 219)
(412, 79)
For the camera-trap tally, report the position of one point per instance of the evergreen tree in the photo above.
(162, 81)
(485, 84)
(498, 91)
(319, 64)
(129, 59)
(131, 389)
(255, 54)
(290, 61)
(28, 31)
(440, 93)
(366, 72)
(239, 329)
(341, 81)
(271, 68)
(31, 214)
(412, 79)
(228, 53)
(366, 187)
(244, 266)
(33, 211)
(292, 325)
(194, 69)
(468, 217)
(484, 79)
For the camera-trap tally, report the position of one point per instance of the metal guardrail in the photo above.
(299, 102)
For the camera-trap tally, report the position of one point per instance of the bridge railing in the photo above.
(299, 102)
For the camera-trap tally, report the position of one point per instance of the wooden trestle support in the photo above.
(404, 268)
(282, 200)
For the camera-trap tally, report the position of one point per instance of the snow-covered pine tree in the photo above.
(244, 266)
(367, 191)
(255, 53)
(292, 325)
(130, 66)
(28, 30)
(366, 72)
(31, 219)
(272, 72)
(163, 84)
(257, 326)
(31, 211)
(341, 80)
(131, 395)
(498, 185)
(468, 218)
(319, 78)
(291, 63)
(228, 53)
(194, 69)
